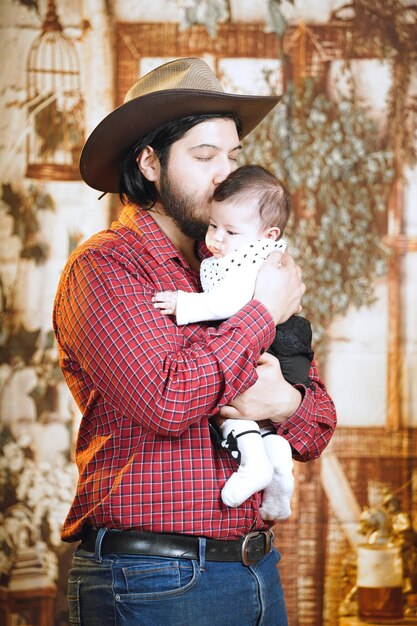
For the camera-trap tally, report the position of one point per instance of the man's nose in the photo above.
(224, 167)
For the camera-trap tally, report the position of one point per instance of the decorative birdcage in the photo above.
(55, 114)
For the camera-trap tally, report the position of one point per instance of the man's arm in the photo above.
(270, 398)
(139, 361)
(306, 417)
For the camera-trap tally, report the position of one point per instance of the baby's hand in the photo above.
(166, 302)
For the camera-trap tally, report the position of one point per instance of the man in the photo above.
(158, 546)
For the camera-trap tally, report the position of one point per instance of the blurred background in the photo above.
(343, 139)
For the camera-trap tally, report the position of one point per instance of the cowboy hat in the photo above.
(171, 91)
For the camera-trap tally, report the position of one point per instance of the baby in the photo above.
(248, 214)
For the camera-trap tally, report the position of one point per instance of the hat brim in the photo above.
(104, 149)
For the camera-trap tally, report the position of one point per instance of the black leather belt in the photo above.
(249, 549)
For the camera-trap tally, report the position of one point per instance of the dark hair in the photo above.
(255, 186)
(133, 186)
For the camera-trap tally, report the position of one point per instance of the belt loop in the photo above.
(99, 541)
(202, 553)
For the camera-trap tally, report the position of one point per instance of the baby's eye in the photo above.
(212, 226)
(231, 232)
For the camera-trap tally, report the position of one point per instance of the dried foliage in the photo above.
(23, 207)
(387, 30)
(19, 225)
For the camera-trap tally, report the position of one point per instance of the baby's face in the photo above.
(231, 227)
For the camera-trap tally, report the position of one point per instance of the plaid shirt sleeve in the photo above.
(142, 364)
(310, 429)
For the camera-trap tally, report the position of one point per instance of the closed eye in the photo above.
(234, 155)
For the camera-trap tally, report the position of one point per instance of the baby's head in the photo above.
(250, 204)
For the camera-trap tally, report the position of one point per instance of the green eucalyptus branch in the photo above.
(338, 170)
(276, 21)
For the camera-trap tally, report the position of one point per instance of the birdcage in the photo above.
(55, 105)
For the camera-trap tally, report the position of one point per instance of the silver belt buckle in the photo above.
(268, 539)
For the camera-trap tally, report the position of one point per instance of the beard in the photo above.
(181, 208)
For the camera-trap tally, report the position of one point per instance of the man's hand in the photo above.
(279, 286)
(270, 398)
(166, 302)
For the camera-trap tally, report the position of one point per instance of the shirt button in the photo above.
(285, 431)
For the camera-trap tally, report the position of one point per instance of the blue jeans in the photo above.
(132, 590)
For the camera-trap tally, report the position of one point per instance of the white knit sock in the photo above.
(255, 471)
(277, 495)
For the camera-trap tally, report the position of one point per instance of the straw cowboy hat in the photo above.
(173, 90)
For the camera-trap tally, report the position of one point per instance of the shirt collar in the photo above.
(154, 240)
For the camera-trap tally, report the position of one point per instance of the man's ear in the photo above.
(273, 233)
(149, 165)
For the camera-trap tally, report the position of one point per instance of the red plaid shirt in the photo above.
(147, 387)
